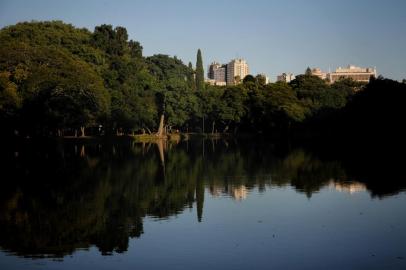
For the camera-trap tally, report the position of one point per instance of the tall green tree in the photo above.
(199, 72)
(260, 79)
(310, 90)
(191, 77)
(233, 107)
(173, 96)
(249, 78)
(63, 93)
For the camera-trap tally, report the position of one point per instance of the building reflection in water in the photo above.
(92, 194)
(238, 193)
(349, 187)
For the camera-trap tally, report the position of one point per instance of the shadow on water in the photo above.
(58, 197)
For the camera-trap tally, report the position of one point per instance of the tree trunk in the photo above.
(203, 123)
(212, 129)
(161, 149)
(82, 131)
(82, 151)
(161, 130)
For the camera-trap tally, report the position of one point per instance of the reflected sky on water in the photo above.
(198, 205)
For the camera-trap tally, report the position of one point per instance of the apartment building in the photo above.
(237, 69)
(356, 73)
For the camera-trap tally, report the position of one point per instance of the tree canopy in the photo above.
(56, 78)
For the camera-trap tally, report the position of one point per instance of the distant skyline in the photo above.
(273, 36)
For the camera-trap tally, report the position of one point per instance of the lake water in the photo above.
(212, 204)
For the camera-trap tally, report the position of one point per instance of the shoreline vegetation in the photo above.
(60, 81)
(153, 137)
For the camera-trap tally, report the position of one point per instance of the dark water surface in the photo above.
(200, 205)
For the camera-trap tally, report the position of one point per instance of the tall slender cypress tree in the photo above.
(191, 78)
(199, 72)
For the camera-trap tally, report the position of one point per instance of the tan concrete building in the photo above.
(238, 193)
(237, 69)
(317, 72)
(356, 73)
(285, 77)
(217, 74)
(351, 187)
(210, 81)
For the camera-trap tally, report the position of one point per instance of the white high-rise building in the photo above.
(237, 69)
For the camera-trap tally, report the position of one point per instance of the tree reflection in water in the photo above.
(59, 197)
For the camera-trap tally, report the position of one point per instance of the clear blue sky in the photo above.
(273, 36)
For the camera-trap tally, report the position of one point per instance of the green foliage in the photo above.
(180, 105)
(211, 103)
(347, 87)
(274, 106)
(10, 101)
(112, 41)
(47, 78)
(233, 107)
(54, 34)
(282, 99)
(317, 95)
(58, 89)
(175, 98)
(166, 68)
(190, 77)
(199, 71)
(55, 76)
(135, 49)
(249, 78)
(260, 79)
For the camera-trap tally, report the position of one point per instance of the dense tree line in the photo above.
(57, 80)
